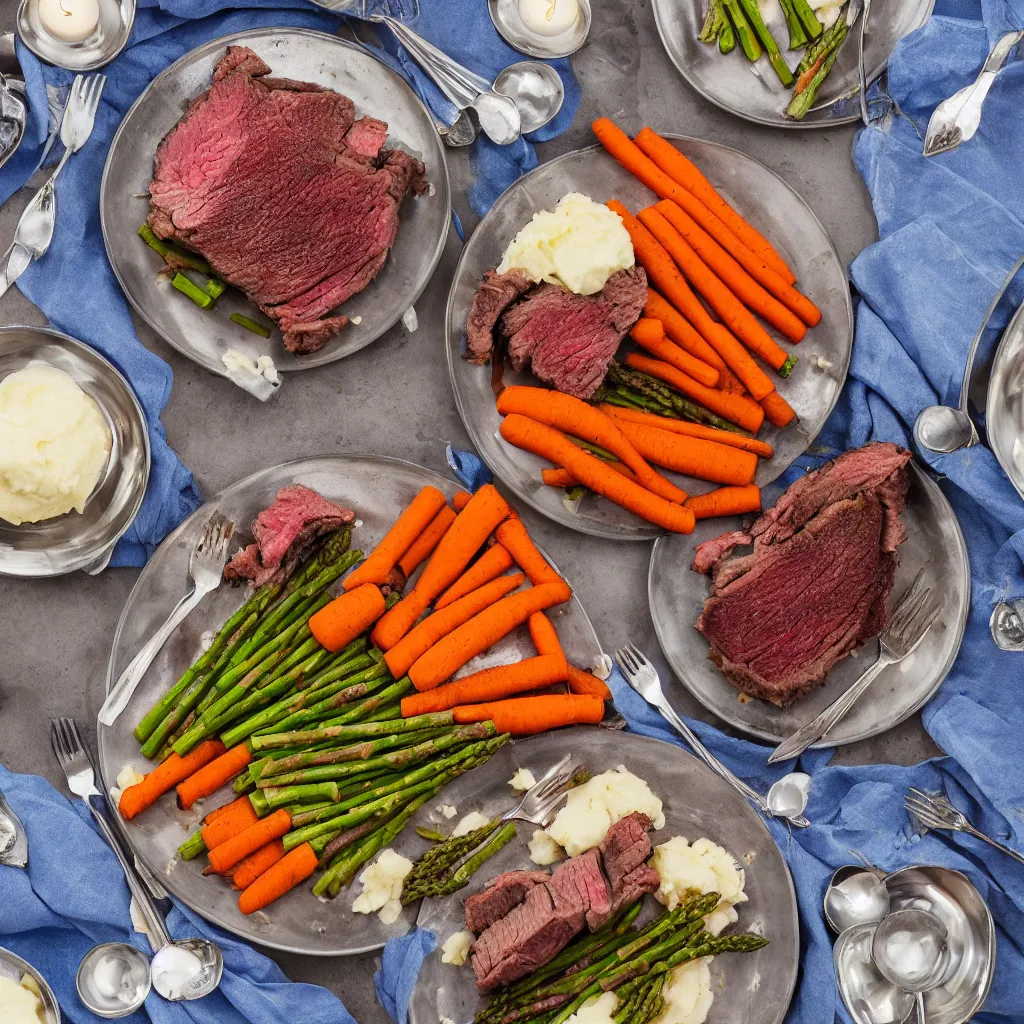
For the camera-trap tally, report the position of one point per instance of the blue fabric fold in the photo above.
(73, 283)
(73, 896)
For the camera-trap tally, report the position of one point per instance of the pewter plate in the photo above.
(728, 81)
(934, 545)
(308, 56)
(12, 966)
(767, 202)
(755, 988)
(377, 489)
(1004, 415)
(79, 540)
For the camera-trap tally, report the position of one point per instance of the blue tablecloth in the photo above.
(73, 284)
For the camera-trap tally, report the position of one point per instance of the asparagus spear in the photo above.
(807, 17)
(250, 325)
(179, 255)
(814, 68)
(459, 878)
(744, 33)
(775, 58)
(279, 796)
(344, 733)
(797, 34)
(714, 21)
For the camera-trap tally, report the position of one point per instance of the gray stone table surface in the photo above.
(394, 398)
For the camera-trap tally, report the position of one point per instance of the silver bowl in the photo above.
(79, 540)
(12, 966)
(116, 20)
(1004, 411)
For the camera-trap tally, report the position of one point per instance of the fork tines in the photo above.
(65, 739)
(216, 535)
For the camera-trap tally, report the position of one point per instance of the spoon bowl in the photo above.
(869, 996)
(943, 429)
(536, 89)
(909, 948)
(854, 897)
(113, 979)
(187, 969)
(788, 797)
(499, 117)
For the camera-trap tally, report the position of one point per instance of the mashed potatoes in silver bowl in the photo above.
(74, 454)
(25, 998)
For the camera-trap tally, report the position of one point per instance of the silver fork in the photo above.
(643, 677)
(77, 765)
(937, 812)
(34, 232)
(909, 625)
(541, 799)
(206, 567)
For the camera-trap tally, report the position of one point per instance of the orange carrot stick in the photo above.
(465, 642)
(228, 808)
(543, 635)
(581, 420)
(738, 409)
(650, 419)
(512, 536)
(162, 779)
(423, 546)
(650, 334)
(685, 173)
(585, 684)
(663, 271)
(740, 321)
(234, 821)
(549, 444)
(465, 536)
(725, 501)
(226, 855)
(525, 716)
(489, 684)
(706, 460)
(408, 526)
(563, 478)
(683, 333)
(248, 869)
(422, 637)
(337, 624)
(288, 872)
(749, 291)
(461, 500)
(213, 775)
(489, 566)
(777, 409)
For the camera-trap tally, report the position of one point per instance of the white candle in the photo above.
(70, 21)
(549, 17)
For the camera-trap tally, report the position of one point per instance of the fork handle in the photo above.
(995, 842)
(121, 692)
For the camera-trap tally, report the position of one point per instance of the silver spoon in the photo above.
(788, 797)
(909, 948)
(855, 896)
(1006, 624)
(13, 841)
(869, 996)
(113, 979)
(536, 89)
(941, 428)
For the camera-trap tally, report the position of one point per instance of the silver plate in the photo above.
(308, 56)
(79, 540)
(767, 202)
(755, 988)
(1004, 414)
(728, 81)
(12, 966)
(934, 545)
(109, 39)
(377, 489)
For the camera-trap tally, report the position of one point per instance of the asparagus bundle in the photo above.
(814, 68)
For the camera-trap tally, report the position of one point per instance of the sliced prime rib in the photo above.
(285, 533)
(544, 911)
(289, 197)
(493, 297)
(816, 584)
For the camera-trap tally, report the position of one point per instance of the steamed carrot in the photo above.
(563, 478)
(585, 684)
(248, 869)
(661, 268)
(423, 546)
(543, 635)
(692, 456)
(229, 808)
(288, 872)
(576, 417)
(744, 286)
(735, 316)
(489, 684)
(337, 624)
(484, 630)
(683, 333)
(650, 419)
(650, 334)
(227, 854)
(407, 527)
(725, 501)
(461, 500)
(738, 409)
(525, 716)
(162, 779)
(549, 444)
(213, 775)
(777, 409)
(512, 536)
(489, 566)
(622, 148)
(420, 639)
(685, 173)
(464, 538)
(235, 820)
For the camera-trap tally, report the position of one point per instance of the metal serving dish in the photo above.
(116, 20)
(12, 966)
(79, 540)
(1004, 411)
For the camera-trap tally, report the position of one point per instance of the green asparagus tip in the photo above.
(787, 367)
(250, 325)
